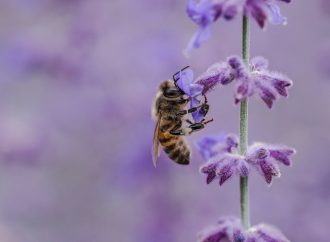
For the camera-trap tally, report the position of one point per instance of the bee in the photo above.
(169, 111)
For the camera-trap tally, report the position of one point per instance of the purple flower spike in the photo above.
(193, 90)
(265, 233)
(228, 229)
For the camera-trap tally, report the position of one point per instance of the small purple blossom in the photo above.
(218, 73)
(265, 10)
(266, 158)
(205, 12)
(193, 90)
(223, 160)
(210, 146)
(230, 229)
(226, 229)
(265, 233)
(257, 80)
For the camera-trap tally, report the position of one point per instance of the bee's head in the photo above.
(170, 90)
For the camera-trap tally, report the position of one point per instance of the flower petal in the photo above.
(266, 93)
(257, 10)
(265, 233)
(197, 116)
(185, 79)
(259, 63)
(282, 155)
(275, 16)
(269, 170)
(210, 170)
(218, 73)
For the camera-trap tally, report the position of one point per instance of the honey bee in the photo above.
(169, 111)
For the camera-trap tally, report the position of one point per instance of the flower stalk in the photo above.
(244, 185)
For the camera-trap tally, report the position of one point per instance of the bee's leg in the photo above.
(190, 110)
(182, 131)
(198, 126)
(175, 79)
(189, 121)
(178, 130)
(193, 127)
(203, 109)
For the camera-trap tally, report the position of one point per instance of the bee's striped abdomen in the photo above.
(175, 147)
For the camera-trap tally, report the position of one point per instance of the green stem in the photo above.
(243, 130)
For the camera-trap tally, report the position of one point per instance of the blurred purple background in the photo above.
(77, 79)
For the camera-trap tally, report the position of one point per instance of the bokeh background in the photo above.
(77, 79)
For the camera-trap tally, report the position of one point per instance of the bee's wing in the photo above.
(155, 145)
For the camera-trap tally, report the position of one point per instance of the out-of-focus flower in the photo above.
(230, 229)
(193, 90)
(21, 141)
(256, 79)
(25, 58)
(226, 229)
(205, 12)
(323, 62)
(325, 4)
(223, 160)
(211, 145)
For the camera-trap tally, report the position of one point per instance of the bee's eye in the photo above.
(172, 92)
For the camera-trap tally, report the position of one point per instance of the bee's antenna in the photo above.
(174, 76)
(205, 98)
(208, 121)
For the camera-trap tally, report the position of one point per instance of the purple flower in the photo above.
(265, 10)
(193, 90)
(268, 85)
(265, 158)
(222, 163)
(265, 233)
(227, 229)
(218, 73)
(230, 229)
(223, 160)
(205, 12)
(202, 14)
